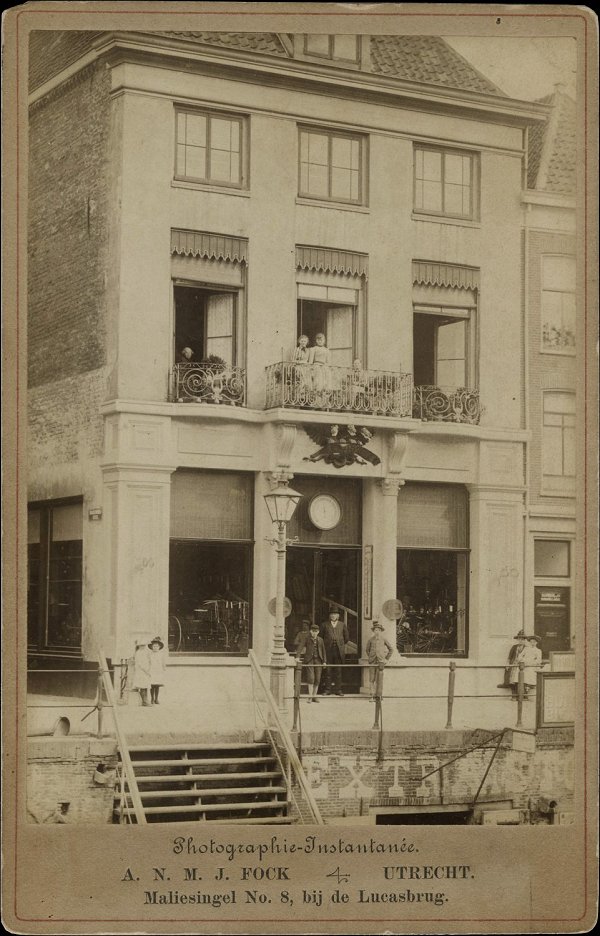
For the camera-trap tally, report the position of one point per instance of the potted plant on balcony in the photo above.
(216, 363)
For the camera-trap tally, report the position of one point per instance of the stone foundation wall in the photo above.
(62, 770)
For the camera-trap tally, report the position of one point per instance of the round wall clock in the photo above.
(324, 511)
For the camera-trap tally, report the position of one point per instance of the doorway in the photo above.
(319, 580)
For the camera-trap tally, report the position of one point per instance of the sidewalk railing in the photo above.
(307, 809)
(518, 693)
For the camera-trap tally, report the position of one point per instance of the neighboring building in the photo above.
(551, 312)
(227, 193)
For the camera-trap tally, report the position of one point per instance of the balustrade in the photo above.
(208, 383)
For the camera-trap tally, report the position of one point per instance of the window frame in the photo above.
(567, 351)
(42, 645)
(359, 318)
(331, 56)
(444, 151)
(243, 121)
(362, 140)
(238, 311)
(557, 485)
(471, 337)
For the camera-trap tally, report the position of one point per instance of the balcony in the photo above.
(447, 404)
(338, 389)
(208, 383)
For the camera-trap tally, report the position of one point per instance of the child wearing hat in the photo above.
(379, 650)
(141, 670)
(515, 657)
(157, 668)
(532, 658)
(311, 651)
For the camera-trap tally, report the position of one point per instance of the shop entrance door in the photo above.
(319, 580)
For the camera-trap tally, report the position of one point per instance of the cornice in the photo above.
(296, 74)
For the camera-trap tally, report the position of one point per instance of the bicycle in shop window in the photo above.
(218, 625)
(427, 631)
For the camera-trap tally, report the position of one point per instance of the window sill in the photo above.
(337, 206)
(207, 187)
(445, 219)
(569, 354)
(558, 492)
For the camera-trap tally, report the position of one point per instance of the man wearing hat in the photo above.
(379, 650)
(335, 638)
(157, 668)
(515, 656)
(311, 652)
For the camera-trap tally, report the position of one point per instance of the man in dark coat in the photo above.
(335, 638)
(311, 651)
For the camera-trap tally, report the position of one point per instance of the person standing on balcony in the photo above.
(379, 650)
(312, 654)
(185, 356)
(320, 358)
(300, 358)
(301, 353)
(335, 638)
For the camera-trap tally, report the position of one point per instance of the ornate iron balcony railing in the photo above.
(445, 404)
(338, 389)
(208, 383)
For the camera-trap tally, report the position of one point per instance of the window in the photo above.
(443, 346)
(433, 568)
(205, 320)
(54, 581)
(332, 166)
(558, 304)
(210, 566)
(211, 148)
(558, 441)
(340, 48)
(446, 183)
(331, 311)
(552, 594)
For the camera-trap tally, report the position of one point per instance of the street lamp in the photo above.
(281, 503)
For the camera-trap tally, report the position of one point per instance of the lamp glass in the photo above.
(281, 503)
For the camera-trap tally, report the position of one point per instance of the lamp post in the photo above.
(281, 503)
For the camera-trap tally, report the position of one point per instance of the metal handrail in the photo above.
(294, 760)
(130, 779)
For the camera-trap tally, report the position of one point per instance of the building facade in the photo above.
(198, 202)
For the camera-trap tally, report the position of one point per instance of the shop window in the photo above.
(210, 148)
(332, 166)
(558, 442)
(210, 563)
(54, 582)
(333, 312)
(443, 346)
(446, 182)
(558, 304)
(432, 569)
(338, 48)
(205, 322)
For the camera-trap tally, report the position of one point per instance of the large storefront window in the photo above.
(54, 584)
(210, 568)
(432, 569)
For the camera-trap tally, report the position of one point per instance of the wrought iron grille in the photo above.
(443, 404)
(208, 383)
(338, 389)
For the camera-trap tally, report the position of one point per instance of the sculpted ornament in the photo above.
(341, 445)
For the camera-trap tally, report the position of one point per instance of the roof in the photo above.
(425, 59)
(551, 165)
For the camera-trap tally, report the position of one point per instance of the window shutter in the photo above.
(433, 516)
(212, 505)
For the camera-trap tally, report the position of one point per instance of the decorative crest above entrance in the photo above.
(341, 445)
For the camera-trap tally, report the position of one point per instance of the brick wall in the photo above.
(345, 777)
(60, 770)
(68, 256)
(546, 371)
(52, 50)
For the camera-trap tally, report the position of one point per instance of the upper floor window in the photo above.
(332, 166)
(558, 304)
(446, 182)
(444, 346)
(338, 48)
(211, 148)
(558, 442)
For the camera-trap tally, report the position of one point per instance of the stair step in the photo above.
(211, 807)
(218, 791)
(205, 777)
(203, 762)
(214, 746)
(252, 820)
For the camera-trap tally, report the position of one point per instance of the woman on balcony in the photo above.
(320, 359)
(300, 372)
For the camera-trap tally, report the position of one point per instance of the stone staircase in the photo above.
(222, 781)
